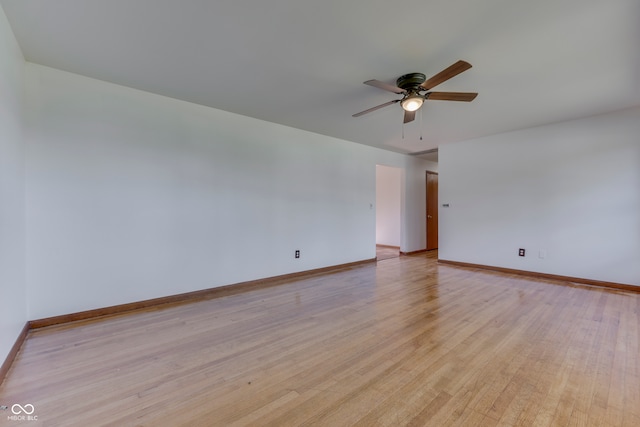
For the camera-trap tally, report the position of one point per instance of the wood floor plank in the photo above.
(405, 341)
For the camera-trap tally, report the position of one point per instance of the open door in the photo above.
(432, 211)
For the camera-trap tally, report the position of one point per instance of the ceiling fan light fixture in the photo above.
(412, 102)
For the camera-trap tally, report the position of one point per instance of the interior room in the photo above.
(207, 196)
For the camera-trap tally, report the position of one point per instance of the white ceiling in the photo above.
(301, 63)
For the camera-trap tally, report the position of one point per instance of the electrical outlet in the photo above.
(520, 252)
(297, 253)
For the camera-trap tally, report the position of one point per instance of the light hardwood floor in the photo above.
(401, 342)
(386, 252)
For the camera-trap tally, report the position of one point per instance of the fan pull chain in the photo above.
(421, 124)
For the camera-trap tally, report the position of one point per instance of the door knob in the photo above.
(429, 217)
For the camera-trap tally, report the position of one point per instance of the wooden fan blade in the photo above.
(446, 74)
(384, 86)
(452, 96)
(375, 108)
(409, 116)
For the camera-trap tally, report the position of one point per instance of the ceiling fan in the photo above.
(412, 85)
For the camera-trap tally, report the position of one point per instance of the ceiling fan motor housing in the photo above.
(411, 81)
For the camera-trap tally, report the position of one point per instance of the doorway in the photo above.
(388, 211)
(432, 210)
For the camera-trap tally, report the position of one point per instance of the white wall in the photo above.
(13, 306)
(133, 196)
(571, 189)
(388, 205)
